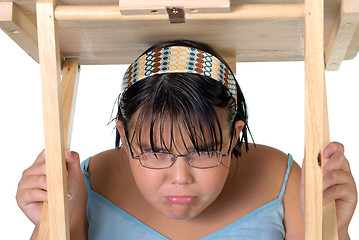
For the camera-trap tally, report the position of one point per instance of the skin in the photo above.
(258, 176)
(181, 179)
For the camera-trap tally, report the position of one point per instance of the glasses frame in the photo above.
(175, 156)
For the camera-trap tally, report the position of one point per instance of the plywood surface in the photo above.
(120, 42)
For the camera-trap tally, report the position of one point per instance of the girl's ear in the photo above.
(238, 126)
(121, 130)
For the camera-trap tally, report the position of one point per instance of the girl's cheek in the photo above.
(148, 181)
(213, 180)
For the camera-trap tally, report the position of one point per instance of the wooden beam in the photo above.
(50, 66)
(330, 227)
(44, 231)
(70, 81)
(232, 63)
(316, 127)
(341, 36)
(243, 11)
(19, 28)
(353, 48)
(145, 7)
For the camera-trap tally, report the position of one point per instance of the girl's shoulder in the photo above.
(274, 167)
(271, 166)
(108, 169)
(101, 162)
(261, 174)
(267, 161)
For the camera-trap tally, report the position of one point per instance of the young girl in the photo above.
(185, 169)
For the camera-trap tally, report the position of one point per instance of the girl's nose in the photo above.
(181, 172)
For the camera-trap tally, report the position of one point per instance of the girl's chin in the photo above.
(180, 212)
(179, 216)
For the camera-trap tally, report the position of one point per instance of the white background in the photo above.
(274, 94)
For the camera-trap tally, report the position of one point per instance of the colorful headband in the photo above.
(179, 59)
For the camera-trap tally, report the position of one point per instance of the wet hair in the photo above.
(188, 100)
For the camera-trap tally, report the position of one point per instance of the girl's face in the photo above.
(181, 191)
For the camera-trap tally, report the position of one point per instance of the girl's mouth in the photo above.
(181, 199)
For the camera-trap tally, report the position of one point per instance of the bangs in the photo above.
(185, 102)
(176, 102)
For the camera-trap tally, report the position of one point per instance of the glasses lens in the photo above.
(156, 160)
(205, 159)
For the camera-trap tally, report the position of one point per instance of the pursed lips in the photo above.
(181, 199)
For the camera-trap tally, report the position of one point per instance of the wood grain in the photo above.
(346, 24)
(246, 40)
(50, 66)
(316, 127)
(145, 7)
(19, 28)
(243, 11)
(70, 81)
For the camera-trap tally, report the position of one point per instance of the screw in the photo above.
(174, 10)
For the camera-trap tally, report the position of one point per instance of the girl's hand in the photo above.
(339, 185)
(32, 189)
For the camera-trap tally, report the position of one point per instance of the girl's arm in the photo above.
(79, 223)
(293, 218)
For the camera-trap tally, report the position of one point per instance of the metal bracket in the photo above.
(176, 14)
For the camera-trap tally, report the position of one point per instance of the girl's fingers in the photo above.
(336, 177)
(29, 196)
(33, 181)
(73, 164)
(39, 166)
(41, 157)
(343, 192)
(32, 188)
(333, 147)
(337, 161)
(35, 169)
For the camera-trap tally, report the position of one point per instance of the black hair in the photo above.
(188, 100)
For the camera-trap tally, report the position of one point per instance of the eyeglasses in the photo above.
(163, 160)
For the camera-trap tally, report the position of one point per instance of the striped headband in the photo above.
(179, 59)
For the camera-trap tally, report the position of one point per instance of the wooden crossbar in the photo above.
(244, 11)
(143, 7)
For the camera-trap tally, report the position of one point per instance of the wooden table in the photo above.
(65, 34)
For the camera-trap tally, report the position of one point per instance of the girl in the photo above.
(185, 169)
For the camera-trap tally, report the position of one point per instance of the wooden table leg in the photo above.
(57, 226)
(317, 128)
(70, 79)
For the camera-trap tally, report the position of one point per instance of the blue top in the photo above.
(109, 222)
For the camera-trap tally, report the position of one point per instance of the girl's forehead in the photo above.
(166, 124)
(173, 133)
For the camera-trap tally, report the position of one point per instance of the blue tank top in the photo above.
(109, 222)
